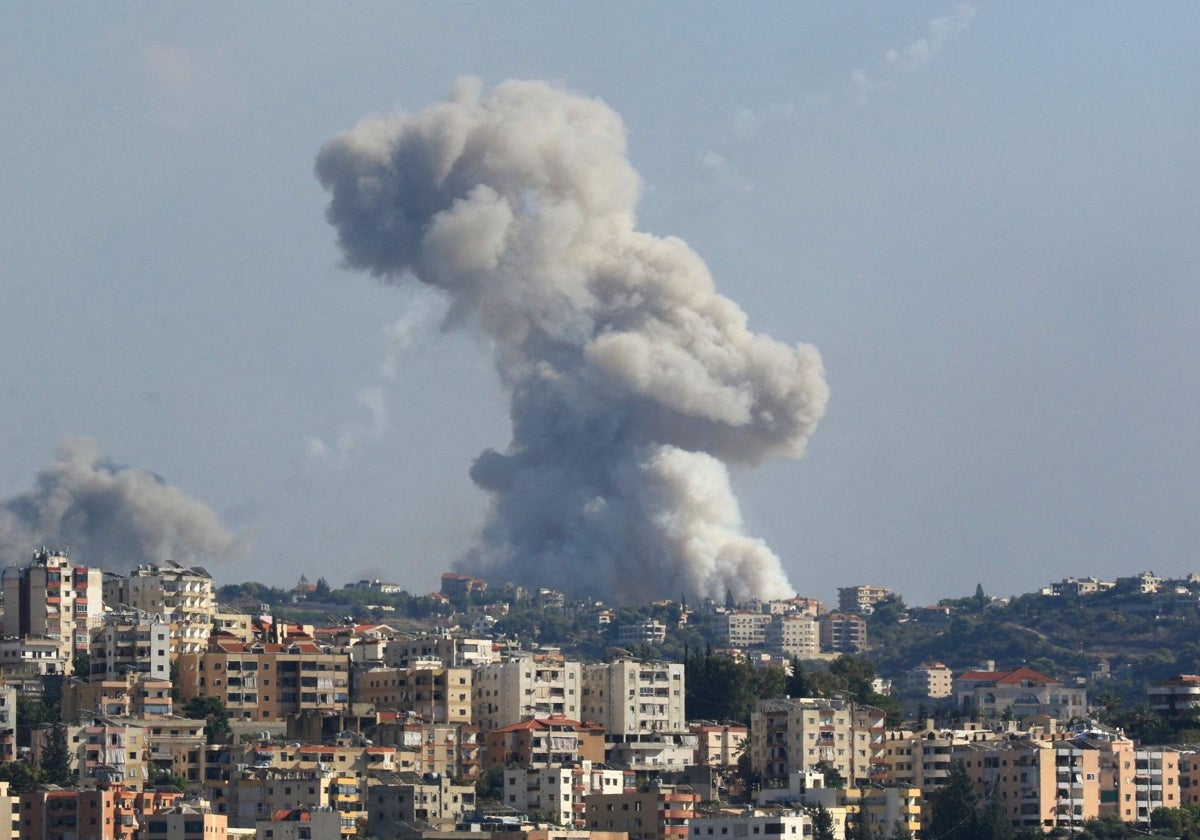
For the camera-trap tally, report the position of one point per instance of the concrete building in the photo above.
(8, 728)
(303, 823)
(30, 656)
(430, 689)
(10, 817)
(450, 651)
(543, 742)
(755, 823)
(661, 813)
(54, 598)
(1023, 690)
(130, 642)
(789, 736)
(109, 813)
(794, 636)
(557, 793)
(861, 599)
(187, 820)
(1177, 695)
(843, 633)
(266, 681)
(930, 679)
(433, 800)
(524, 687)
(182, 596)
(747, 628)
(648, 632)
(719, 745)
(628, 697)
(423, 747)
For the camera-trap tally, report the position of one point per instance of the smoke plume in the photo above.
(109, 516)
(633, 382)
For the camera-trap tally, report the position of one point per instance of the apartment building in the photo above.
(1178, 695)
(557, 793)
(8, 727)
(526, 686)
(794, 636)
(747, 628)
(719, 745)
(446, 749)
(184, 598)
(790, 736)
(304, 823)
(266, 681)
(110, 813)
(450, 651)
(429, 689)
(663, 812)
(628, 697)
(930, 679)
(10, 817)
(128, 696)
(1040, 785)
(435, 800)
(843, 633)
(130, 642)
(757, 822)
(542, 742)
(922, 758)
(55, 598)
(861, 599)
(190, 820)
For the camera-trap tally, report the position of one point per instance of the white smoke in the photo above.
(633, 382)
(109, 516)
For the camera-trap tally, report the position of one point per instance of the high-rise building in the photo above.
(53, 597)
(628, 697)
(182, 596)
(524, 687)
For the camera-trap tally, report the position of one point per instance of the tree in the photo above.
(955, 807)
(20, 777)
(321, 591)
(56, 759)
(81, 666)
(213, 712)
(822, 824)
(901, 831)
(858, 827)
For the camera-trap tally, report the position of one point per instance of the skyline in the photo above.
(981, 216)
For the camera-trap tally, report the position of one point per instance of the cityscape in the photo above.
(176, 707)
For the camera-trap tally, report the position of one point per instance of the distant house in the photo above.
(1023, 690)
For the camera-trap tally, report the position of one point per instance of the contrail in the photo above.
(110, 516)
(633, 382)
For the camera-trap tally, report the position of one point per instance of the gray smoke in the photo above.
(633, 381)
(109, 516)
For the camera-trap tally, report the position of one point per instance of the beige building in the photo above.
(266, 681)
(55, 598)
(930, 679)
(431, 690)
(747, 628)
(861, 599)
(450, 651)
(1022, 690)
(719, 745)
(558, 793)
(843, 633)
(130, 642)
(526, 686)
(447, 749)
(790, 736)
(190, 820)
(182, 596)
(794, 637)
(628, 697)
(436, 801)
(542, 742)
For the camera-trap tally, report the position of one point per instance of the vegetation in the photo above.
(213, 712)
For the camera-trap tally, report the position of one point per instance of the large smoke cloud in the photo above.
(108, 515)
(633, 381)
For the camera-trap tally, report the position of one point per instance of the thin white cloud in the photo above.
(915, 54)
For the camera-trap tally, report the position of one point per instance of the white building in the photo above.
(131, 642)
(556, 793)
(794, 637)
(747, 628)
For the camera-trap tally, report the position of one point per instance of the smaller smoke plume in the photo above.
(108, 515)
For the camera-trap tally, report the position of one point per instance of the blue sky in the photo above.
(983, 215)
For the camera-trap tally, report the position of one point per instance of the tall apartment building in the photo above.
(130, 642)
(266, 681)
(747, 628)
(789, 736)
(524, 687)
(628, 697)
(861, 599)
(53, 597)
(794, 637)
(182, 596)
(1039, 785)
(843, 633)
